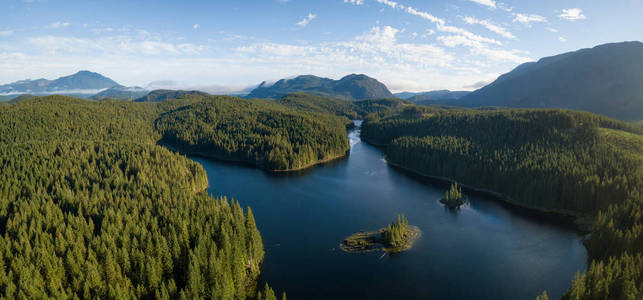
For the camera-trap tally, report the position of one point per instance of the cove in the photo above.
(485, 250)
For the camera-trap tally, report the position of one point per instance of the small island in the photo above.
(396, 237)
(453, 198)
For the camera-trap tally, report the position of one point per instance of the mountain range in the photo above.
(606, 79)
(351, 87)
(430, 96)
(82, 82)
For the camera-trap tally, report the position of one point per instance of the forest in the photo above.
(92, 207)
(555, 160)
(290, 133)
(260, 132)
(396, 233)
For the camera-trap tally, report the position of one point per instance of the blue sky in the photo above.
(407, 44)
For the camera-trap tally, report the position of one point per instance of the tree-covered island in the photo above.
(396, 237)
(453, 198)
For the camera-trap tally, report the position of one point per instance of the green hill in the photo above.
(164, 95)
(261, 132)
(120, 92)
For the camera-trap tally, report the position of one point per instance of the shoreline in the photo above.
(248, 163)
(371, 241)
(493, 193)
(582, 222)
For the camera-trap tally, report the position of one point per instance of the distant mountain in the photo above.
(405, 95)
(163, 95)
(439, 96)
(21, 98)
(606, 79)
(121, 93)
(83, 82)
(351, 87)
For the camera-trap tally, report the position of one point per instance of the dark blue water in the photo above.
(485, 250)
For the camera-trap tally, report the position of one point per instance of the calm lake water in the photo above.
(485, 250)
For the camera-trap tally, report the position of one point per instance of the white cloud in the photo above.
(377, 35)
(572, 14)
(489, 3)
(356, 2)
(514, 56)
(306, 20)
(195, 26)
(59, 25)
(467, 34)
(527, 19)
(102, 30)
(551, 29)
(477, 85)
(428, 33)
(114, 45)
(392, 4)
(490, 26)
(562, 39)
(137, 57)
(439, 23)
(6, 32)
(478, 45)
(459, 40)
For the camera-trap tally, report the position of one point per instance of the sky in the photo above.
(410, 45)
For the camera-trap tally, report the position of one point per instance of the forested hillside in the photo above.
(341, 107)
(164, 95)
(559, 160)
(91, 207)
(549, 159)
(259, 132)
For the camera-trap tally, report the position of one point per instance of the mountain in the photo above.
(163, 95)
(351, 87)
(439, 95)
(21, 98)
(83, 82)
(405, 95)
(121, 93)
(606, 79)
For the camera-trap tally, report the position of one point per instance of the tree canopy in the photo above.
(91, 207)
(560, 160)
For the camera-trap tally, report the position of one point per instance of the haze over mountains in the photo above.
(432, 96)
(351, 87)
(606, 79)
(121, 92)
(82, 82)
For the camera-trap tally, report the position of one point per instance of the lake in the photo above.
(485, 250)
